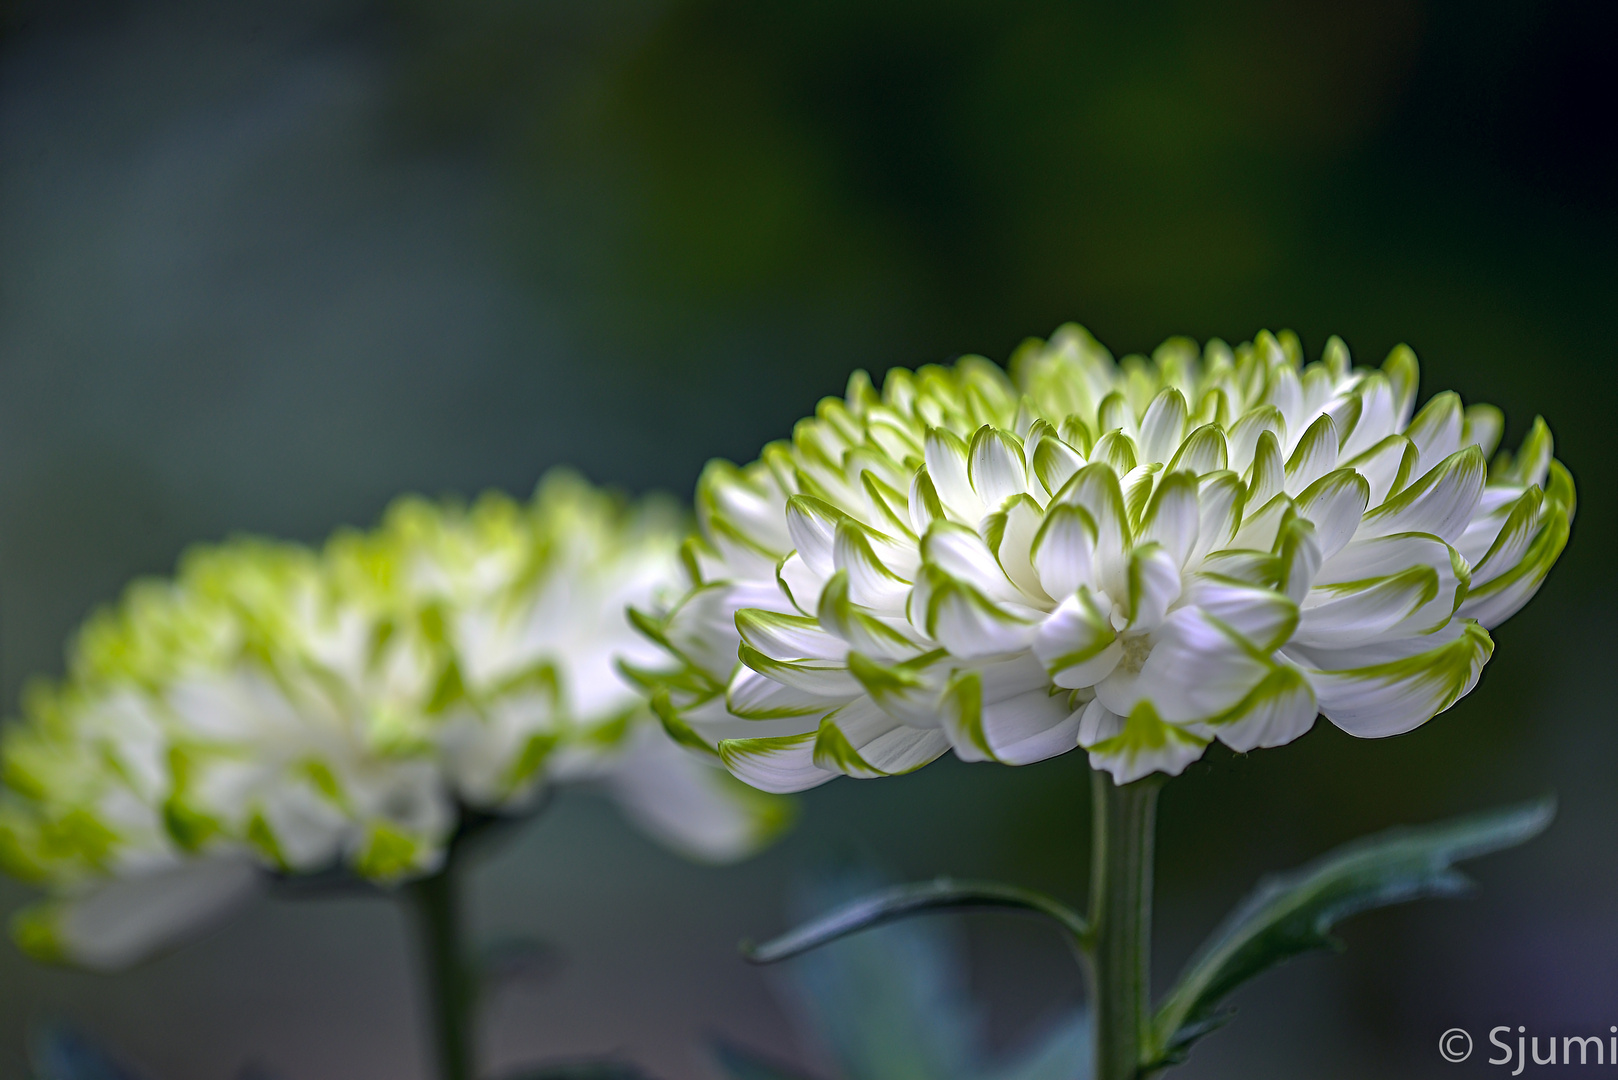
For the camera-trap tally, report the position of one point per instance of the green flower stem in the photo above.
(1121, 922)
(435, 902)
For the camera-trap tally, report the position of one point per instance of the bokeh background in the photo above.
(264, 266)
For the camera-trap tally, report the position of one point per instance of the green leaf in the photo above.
(1294, 912)
(886, 905)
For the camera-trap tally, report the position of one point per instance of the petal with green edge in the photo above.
(862, 630)
(1393, 687)
(1278, 710)
(1153, 585)
(1009, 534)
(1077, 643)
(824, 679)
(1202, 452)
(1342, 616)
(1139, 745)
(130, 919)
(1299, 555)
(1063, 550)
(754, 696)
(1221, 500)
(1436, 430)
(1404, 375)
(971, 626)
(1266, 477)
(1055, 462)
(780, 764)
(908, 691)
(961, 554)
(1263, 617)
(1173, 517)
(788, 637)
(989, 722)
(872, 582)
(1483, 427)
(995, 466)
(1387, 467)
(1198, 669)
(1500, 597)
(1245, 433)
(1313, 457)
(1163, 426)
(1335, 503)
(1378, 416)
(862, 740)
(1441, 502)
(947, 466)
(1095, 490)
(801, 586)
(812, 525)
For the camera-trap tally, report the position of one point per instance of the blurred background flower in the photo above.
(274, 710)
(266, 266)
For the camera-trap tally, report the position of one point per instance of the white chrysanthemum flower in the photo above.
(278, 710)
(1136, 558)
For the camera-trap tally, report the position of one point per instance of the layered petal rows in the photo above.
(1133, 557)
(277, 710)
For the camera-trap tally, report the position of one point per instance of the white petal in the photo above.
(1244, 434)
(1279, 709)
(1163, 426)
(1315, 456)
(1010, 534)
(1221, 498)
(1063, 550)
(1017, 729)
(1441, 502)
(788, 637)
(1077, 643)
(1436, 430)
(1173, 517)
(1095, 489)
(995, 466)
(971, 626)
(799, 584)
(1335, 503)
(812, 525)
(1393, 687)
(964, 556)
(754, 696)
(132, 918)
(1154, 585)
(873, 582)
(780, 764)
(1387, 467)
(1139, 745)
(947, 466)
(862, 740)
(1197, 669)
(1264, 617)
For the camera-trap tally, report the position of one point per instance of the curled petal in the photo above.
(1394, 687)
(863, 740)
(1139, 745)
(779, 764)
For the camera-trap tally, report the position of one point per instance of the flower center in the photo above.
(1136, 649)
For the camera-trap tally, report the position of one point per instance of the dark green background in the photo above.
(265, 265)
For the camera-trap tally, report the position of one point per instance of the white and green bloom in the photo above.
(277, 710)
(1135, 557)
